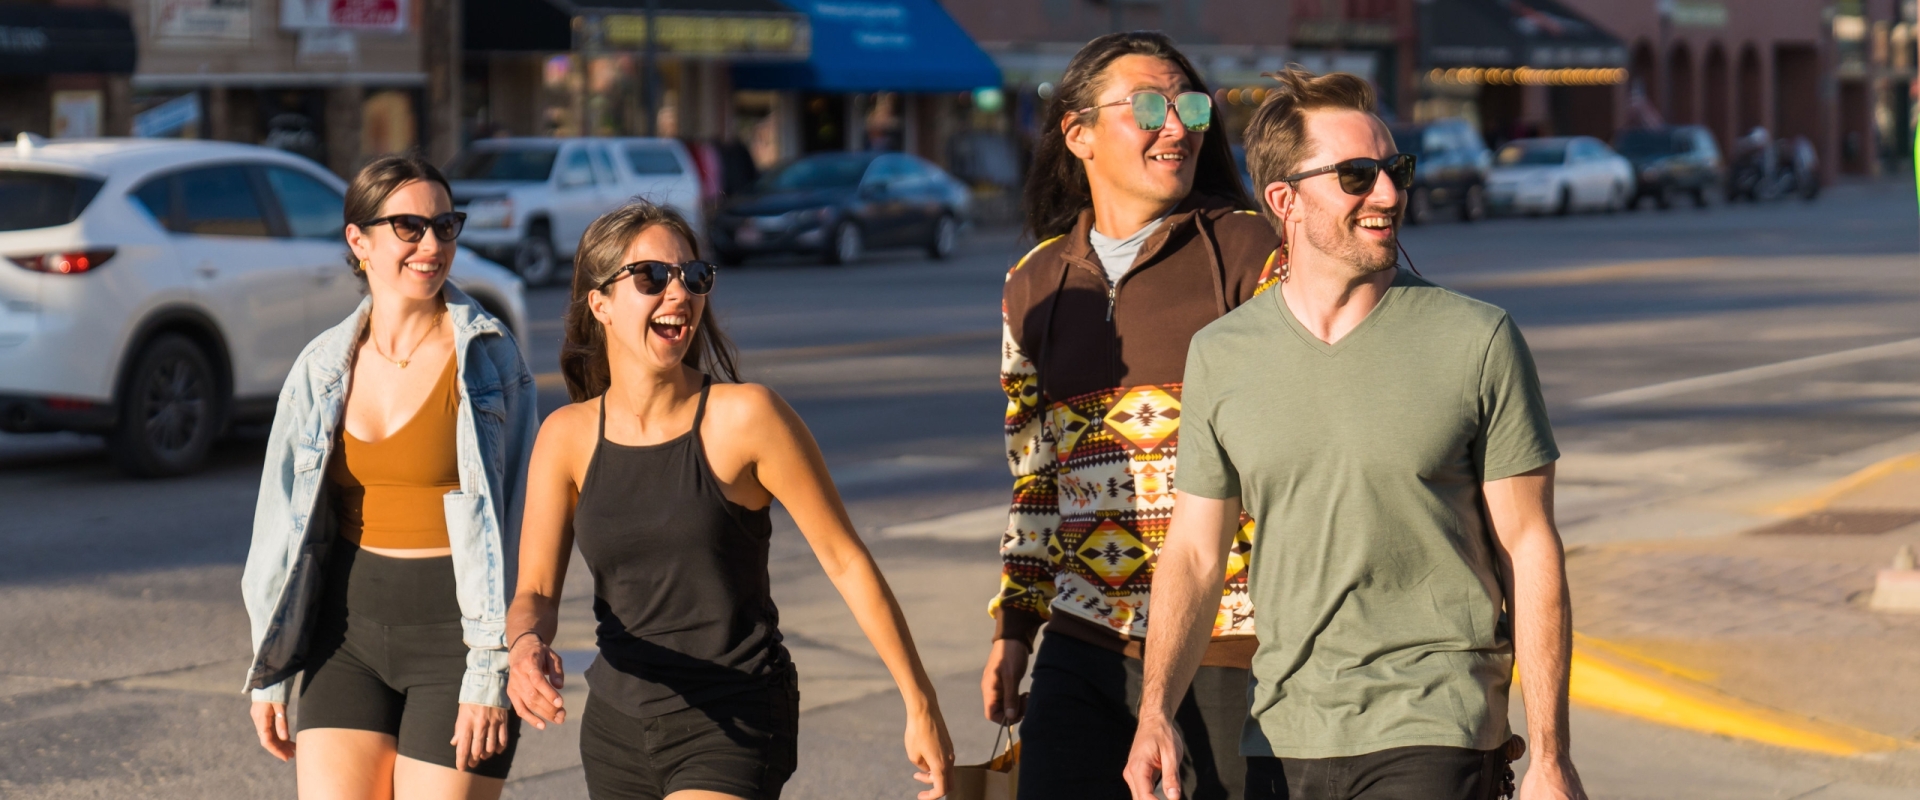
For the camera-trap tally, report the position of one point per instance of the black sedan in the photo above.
(1671, 161)
(839, 204)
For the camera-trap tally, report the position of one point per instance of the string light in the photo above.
(1528, 76)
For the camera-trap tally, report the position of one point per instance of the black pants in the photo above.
(1083, 709)
(1401, 773)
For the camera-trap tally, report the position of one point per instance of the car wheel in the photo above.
(1419, 206)
(534, 258)
(1473, 207)
(1565, 204)
(170, 413)
(846, 246)
(946, 232)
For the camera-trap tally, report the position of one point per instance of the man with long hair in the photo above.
(1391, 440)
(1145, 236)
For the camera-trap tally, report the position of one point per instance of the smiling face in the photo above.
(1153, 166)
(397, 268)
(1357, 231)
(655, 330)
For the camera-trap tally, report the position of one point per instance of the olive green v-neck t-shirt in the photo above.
(1377, 597)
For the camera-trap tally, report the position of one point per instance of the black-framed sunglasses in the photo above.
(1357, 175)
(413, 227)
(652, 277)
(1150, 110)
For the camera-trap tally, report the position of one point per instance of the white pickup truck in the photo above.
(528, 200)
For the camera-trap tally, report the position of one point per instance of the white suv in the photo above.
(157, 290)
(528, 200)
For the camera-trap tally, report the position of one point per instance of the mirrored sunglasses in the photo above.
(1150, 110)
(652, 277)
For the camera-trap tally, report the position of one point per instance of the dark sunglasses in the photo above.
(413, 227)
(652, 277)
(1357, 175)
(1150, 110)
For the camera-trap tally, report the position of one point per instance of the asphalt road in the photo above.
(122, 638)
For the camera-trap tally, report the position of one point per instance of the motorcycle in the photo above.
(1764, 168)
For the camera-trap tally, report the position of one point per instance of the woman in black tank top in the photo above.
(664, 479)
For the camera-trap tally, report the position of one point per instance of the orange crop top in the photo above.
(389, 493)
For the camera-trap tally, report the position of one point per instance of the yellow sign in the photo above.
(708, 35)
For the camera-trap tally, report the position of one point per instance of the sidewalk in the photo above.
(1743, 612)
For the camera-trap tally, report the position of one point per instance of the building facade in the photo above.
(64, 68)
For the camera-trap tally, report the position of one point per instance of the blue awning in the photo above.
(878, 46)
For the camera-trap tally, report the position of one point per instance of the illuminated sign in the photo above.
(710, 35)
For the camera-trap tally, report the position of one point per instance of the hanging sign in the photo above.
(365, 15)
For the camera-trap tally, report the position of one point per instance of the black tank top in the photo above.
(679, 577)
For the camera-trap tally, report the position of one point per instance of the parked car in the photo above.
(529, 200)
(157, 290)
(840, 204)
(1669, 161)
(1451, 171)
(1559, 175)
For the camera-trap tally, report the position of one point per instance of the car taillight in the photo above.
(65, 263)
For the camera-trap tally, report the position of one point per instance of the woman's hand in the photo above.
(930, 749)
(479, 734)
(270, 724)
(534, 679)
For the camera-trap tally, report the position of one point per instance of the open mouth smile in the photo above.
(671, 328)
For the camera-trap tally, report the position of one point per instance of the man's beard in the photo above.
(1336, 237)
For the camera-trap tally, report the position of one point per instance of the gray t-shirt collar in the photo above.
(1117, 255)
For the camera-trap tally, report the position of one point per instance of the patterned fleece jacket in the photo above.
(1092, 374)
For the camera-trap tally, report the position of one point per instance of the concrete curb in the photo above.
(1613, 678)
(1820, 500)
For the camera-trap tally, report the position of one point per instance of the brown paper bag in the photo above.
(998, 779)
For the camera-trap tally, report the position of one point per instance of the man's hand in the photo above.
(1154, 761)
(1552, 779)
(1000, 683)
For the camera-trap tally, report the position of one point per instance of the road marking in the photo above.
(1818, 501)
(1736, 377)
(1575, 276)
(552, 381)
(978, 525)
(1604, 681)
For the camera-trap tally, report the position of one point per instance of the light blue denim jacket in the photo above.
(292, 525)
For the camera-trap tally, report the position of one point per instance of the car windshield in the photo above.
(1644, 143)
(504, 164)
(31, 200)
(819, 172)
(1528, 153)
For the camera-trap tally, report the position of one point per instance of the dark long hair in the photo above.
(583, 353)
(1057, 188)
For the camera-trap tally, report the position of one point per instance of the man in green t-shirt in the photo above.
(1390, 441)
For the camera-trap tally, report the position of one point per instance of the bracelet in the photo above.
(523, 635)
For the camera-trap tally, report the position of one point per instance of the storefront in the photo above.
(890, 75)
(1532, 69)
(63, 71)
(338, 81)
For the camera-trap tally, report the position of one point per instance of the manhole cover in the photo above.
(1845, 522)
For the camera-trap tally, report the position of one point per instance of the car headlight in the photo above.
(492, 212)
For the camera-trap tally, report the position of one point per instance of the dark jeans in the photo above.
(1081, 713)
(1401, 773)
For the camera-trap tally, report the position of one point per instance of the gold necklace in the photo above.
(402, 363)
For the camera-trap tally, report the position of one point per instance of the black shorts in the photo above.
(1400, 773)
(387, 656)
(744, 745)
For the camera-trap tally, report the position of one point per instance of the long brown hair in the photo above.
(603, 249)
(1057, 189)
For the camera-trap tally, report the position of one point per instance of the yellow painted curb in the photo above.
(1603, 679)
(1818, 501)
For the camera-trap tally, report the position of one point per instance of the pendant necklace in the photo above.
(403, 362)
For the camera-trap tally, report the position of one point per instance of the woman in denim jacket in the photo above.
(387, 527)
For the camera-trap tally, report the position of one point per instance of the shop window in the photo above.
(387, 123)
